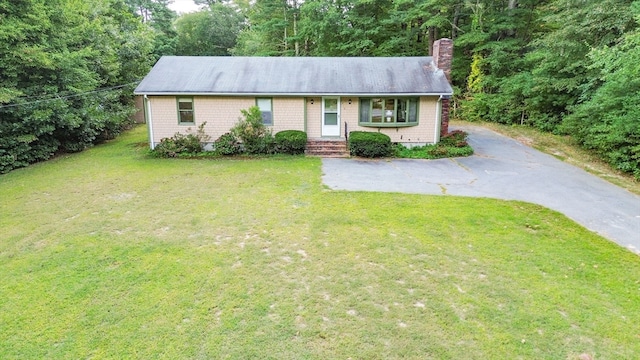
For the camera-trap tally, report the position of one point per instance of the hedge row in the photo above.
(284, 142)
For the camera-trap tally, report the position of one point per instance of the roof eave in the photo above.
(237, 94)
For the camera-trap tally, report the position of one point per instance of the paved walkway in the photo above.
(505, 169)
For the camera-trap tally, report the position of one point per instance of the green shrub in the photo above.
(454, 144)
(256, 138)
(264, 145)
(460, 151)
(456, 138)
(438, 151)
(369, 144)
(291, 142)
(178, 144)
(189, 143)
(227, 144)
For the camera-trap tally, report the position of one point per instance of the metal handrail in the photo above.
(346, 132)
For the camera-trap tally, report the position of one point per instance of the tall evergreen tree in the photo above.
(158, 15)
(272, 29)
(348, 27)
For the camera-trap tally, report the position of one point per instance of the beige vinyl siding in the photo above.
(314, 117)
(288, 114)
(221, 114)
(164, 116)
(424, 132)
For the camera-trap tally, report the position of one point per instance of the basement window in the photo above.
(388, 112)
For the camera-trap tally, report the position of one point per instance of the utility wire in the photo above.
(68, 96)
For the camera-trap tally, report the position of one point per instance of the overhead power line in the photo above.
(55, 97)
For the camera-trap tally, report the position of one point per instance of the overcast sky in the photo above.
(183, 6)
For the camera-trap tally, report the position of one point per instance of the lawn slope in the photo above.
(114, 254)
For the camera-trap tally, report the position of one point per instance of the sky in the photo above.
(183, 6)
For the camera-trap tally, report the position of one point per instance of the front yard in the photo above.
(114, 254)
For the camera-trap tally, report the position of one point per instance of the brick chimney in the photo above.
(442, 56)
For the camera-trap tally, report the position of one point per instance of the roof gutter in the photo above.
(237, 94)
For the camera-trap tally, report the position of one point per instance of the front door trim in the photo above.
(331, 116)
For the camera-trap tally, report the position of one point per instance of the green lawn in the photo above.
(114, 254)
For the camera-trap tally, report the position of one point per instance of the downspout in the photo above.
(305, 115)
(438, 119)
(147, 108)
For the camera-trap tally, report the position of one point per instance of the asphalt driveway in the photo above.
(505, 169)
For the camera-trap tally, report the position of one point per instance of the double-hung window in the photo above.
(388, 112)
(185, 111)
(265, 108)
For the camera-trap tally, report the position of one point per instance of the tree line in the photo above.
(67, 71)
(564, 66)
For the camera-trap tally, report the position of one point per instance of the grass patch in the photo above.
(114, 254)
(565, 149)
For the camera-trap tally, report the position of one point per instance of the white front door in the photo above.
(331, 116)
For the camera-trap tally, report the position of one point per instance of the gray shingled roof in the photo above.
(294, 76)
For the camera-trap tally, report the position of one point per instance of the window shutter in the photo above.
(365, 106)
(413, 110)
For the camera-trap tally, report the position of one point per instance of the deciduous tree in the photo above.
(67, 70)
(211, 31)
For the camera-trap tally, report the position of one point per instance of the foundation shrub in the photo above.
(453, 144)
(456, 138)
(255, 137)
(182, 144)
(291, 142)
(369, 144)
(176, 145)
(264, 145)
(227, 144)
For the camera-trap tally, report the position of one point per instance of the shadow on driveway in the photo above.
(501, 168)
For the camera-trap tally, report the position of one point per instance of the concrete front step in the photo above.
(327, 148)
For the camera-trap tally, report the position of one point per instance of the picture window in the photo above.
(388, 111)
